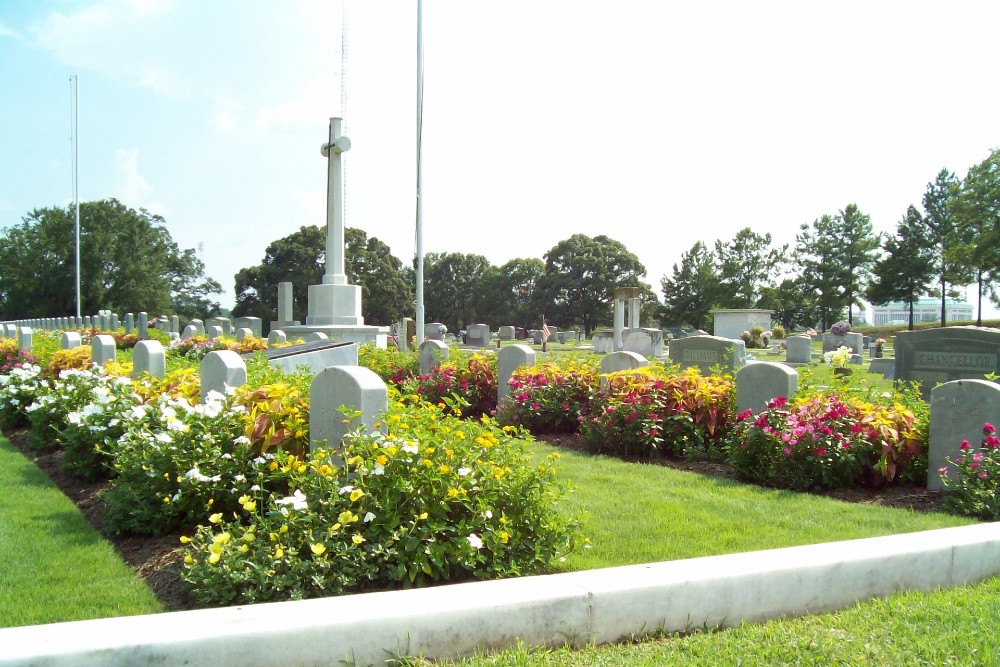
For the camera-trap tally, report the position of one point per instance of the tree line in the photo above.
(950, 241)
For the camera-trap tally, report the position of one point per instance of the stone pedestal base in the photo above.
(335, 304)
(342, 334)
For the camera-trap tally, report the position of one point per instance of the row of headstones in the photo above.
(479, 335)
(223, 371)
(959, 408)
(108, 321)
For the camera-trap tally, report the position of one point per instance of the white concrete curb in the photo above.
(572, 608)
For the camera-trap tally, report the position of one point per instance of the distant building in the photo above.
(924, 310)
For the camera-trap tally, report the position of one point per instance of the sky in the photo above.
(656, 123)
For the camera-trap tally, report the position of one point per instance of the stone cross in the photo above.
(332, 150)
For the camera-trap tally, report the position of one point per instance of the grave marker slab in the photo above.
(431, 354)
(354, 386)
(222, 370)
(316, 355)
(708, 352)
(509, 359)
(102, 349)
(148, 356)
(69, 340)
(933, 356)
(760, 382)
(798, 349)
(477, 335)
(958, 411)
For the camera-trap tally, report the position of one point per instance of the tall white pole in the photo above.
(76, 181)
(420, 229)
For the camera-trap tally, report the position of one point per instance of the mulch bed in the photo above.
(157, 560)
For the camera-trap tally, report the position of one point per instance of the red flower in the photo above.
(989, 429)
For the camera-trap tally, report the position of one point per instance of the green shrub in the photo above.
(778, 331)
(973, 478)
(90, 434)
(54, 400)
(548, 398)
(434, 499)
(474, 382)
(18, 389)
(178, 463)
(660, 412)
(390, 364)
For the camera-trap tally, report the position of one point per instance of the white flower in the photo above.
(215, 397)
(378, 470)
(114, 422)
(369, 517)
(297, 500)
(239, 478)
(475, 541)
(177, 425)
(138, 412)
(462, 472)
(345, 489)
(196, 475)
(489, 514)
(242, 440)
(163, 437)
(410, 448)
(74, 418)
(168, 413)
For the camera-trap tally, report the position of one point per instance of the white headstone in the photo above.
(69, 340)
(431, 354)
(242, 333)
(509, 359)
(189, 332)
(148, 356)
(355, 387)
(958, 411)
(24, 338)
(760, 382)
(222, 370)
(315, 336)
(142, 324)
(102, 349)
(798, 349)
(213, 332)
(276, 336)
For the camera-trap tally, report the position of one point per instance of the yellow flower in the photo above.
(243, 548)
(273, 466)
(244, 499)
(460, 435)
(283, 529)
(381, 459)
(452, 493)
(166, 499)
(355, 494)
(216, 518)
(444, 469)
(250, 506)
(248, 536)
(427, 463)
(318, 549)
(347, 517)
(423, 515)
(215, 548)
(504, 536)
(279, 552)
(185, 539)
(214, 558)
(188, 560)
(301, 469)
(357, 539)
(221, 538)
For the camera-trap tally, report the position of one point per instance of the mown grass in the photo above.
(642, 513)
(950, 627)
(53, 565)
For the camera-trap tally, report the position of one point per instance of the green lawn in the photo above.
(53, 565)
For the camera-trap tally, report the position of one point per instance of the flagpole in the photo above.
(420, 228)
(76, 181)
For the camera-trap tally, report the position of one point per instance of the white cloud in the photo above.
(133, 189)
(6, 31)
(116, 37)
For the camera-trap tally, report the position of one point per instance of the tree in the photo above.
(793, 303)
(128, 263)
(859, 253)
(385, 294)
(300, 259)
(943, 236)
(976, 211)
(692, 291)
(906, 271)
(512, 292)
(297, 258)
(747, 267)
(836, 254)
(454, 288)
(581, 274)
(817, 253)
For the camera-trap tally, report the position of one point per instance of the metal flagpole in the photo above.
(76, 181)
(420, 230)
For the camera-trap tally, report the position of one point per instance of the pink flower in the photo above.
(535, 406)
(943, 470)
(982, 475)
(964, 445)
(820, 452)
(978, 456)
(788, 451)
(989, 429)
